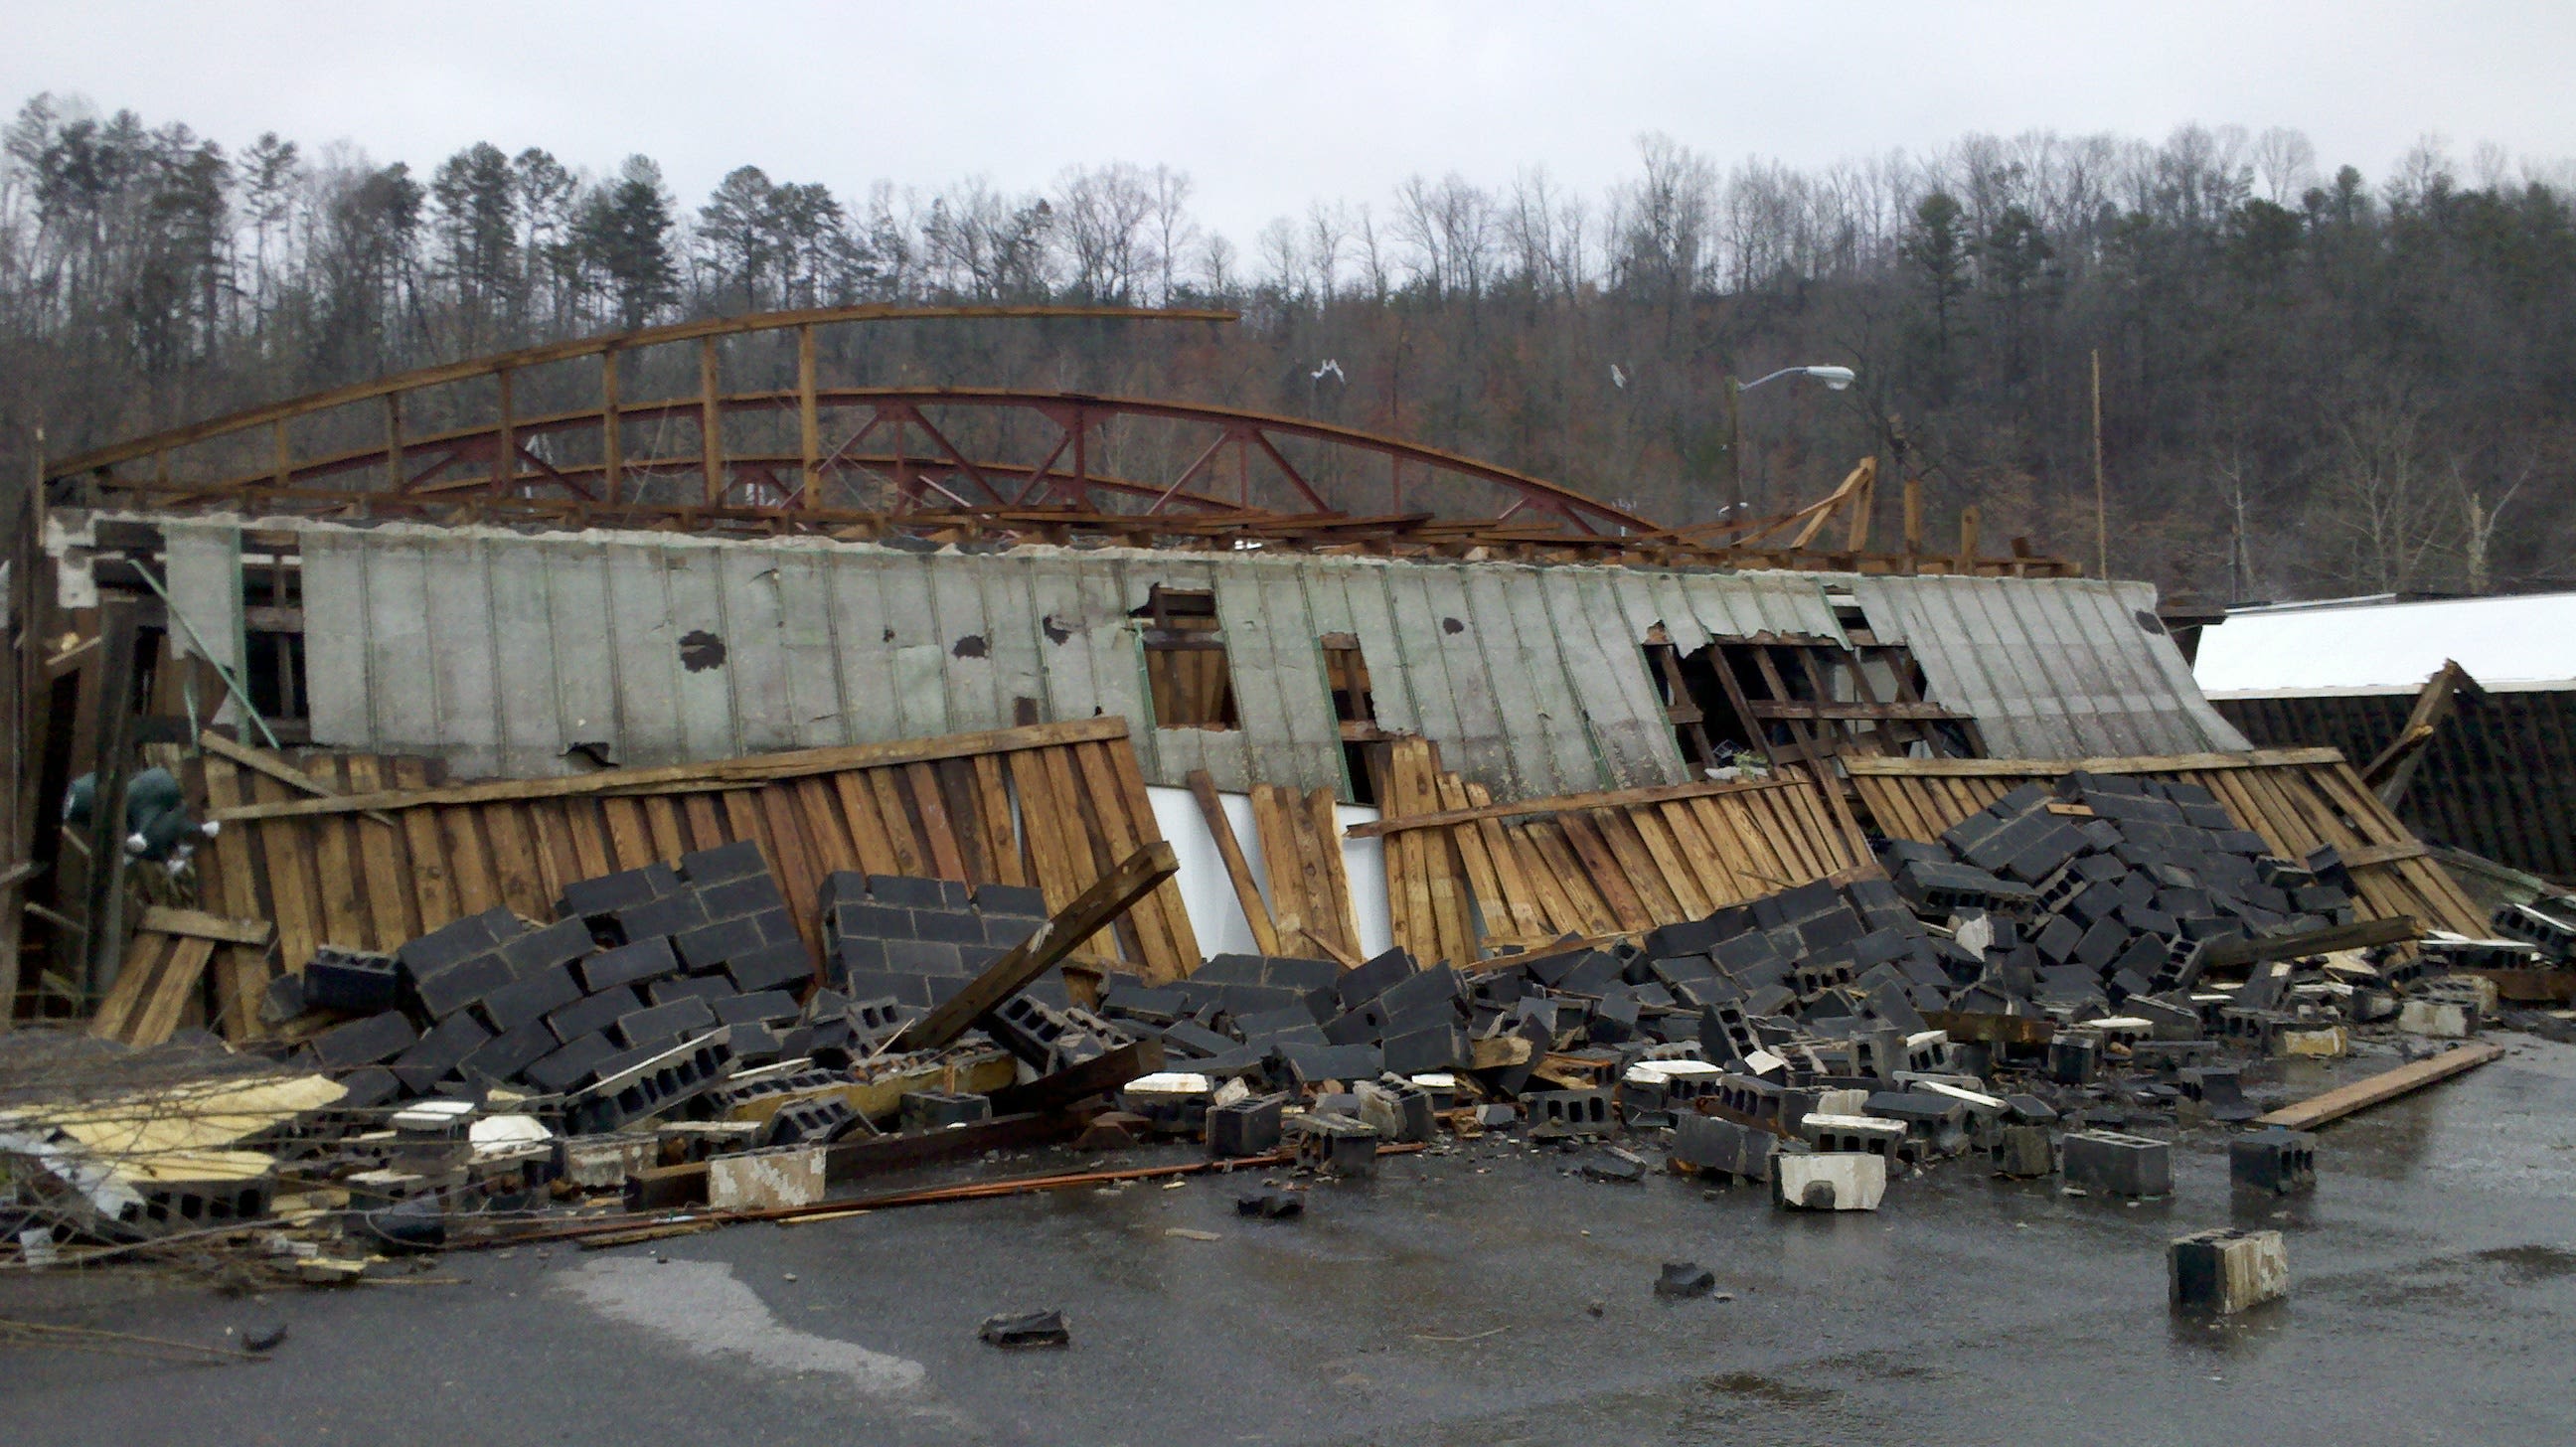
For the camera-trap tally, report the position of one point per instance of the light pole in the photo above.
(1834, 378)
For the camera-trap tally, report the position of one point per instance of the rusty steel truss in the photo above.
(940, 462)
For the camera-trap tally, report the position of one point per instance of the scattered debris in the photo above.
(1684, 1279)
(1026, 1329)
(1271, 1205)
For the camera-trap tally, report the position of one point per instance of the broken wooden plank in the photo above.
(1077, 1083)
(2386, 1086)
(1894, 767)
(261, 762)
(2228, 954)
(1265, 935)
(1106, 899)
(201, 925)
(1611, 799)
(762, 768)
(1983, 1029)
(2370, 854)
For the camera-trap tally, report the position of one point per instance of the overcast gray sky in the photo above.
(1269, 106)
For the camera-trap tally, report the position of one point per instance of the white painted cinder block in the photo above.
(763, 1180)
(1835, 1181)
(2442, 1019)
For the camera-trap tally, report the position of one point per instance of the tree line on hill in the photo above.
(2311, 382)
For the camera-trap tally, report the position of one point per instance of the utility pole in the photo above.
(2101, 509)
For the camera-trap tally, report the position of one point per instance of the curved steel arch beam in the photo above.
(445, 373)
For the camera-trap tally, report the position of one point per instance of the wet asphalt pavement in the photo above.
(2433, 1300)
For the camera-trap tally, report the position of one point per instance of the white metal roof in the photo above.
(2370, 645)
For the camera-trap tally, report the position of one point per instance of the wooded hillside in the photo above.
(2313, 381)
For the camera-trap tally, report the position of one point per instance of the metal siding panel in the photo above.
(1297, 667)
(1012, 642)
(693, 578)
(1639, 739)
(2049, 668)
(524, 663)
(755, 654)
(2199, 726)
(1519, 690)
(647, 649)
(2089, 662)
(871, 701)
(1063, 640)
(586, 661)
(1394, 690)
(1118, 660)
(1573, 755)
(2000, 654)
(811, 651)
(461, 652)
(1479, 751)
(337, 640)
(1260, 700)
(920, 650)
(1414, 636)
(203, 574)
(1595, 685)
(966, 642)
(1673, 610)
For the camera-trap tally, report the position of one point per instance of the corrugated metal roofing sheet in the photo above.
(501, 651)
(2060, 668)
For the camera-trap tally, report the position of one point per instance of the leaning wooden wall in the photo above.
(1056, 806)
(1465, 875)
(2297, 799)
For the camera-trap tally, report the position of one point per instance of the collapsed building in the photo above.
(735, 821)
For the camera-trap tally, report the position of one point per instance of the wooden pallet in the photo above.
(1464, 874)
(1055, 806)
(2297, 799)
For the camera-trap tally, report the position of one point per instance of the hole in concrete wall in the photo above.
(701, 650)
(1186, 667)
(1346, 676)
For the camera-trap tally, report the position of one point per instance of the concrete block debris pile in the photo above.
(2057, 991)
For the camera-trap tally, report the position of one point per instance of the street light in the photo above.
(1835, 380)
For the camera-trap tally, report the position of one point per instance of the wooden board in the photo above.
(1599, 865)
(1056, 806)
(2361, 1095)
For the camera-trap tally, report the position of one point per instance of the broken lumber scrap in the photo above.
(1077, 1083)
(2389, 773)
(270, 765)
(686, 778)
(1107, 898)
(2361, 934)
(1532, 808)
(1238, 870)
(2379, 1089)
(200, 925)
